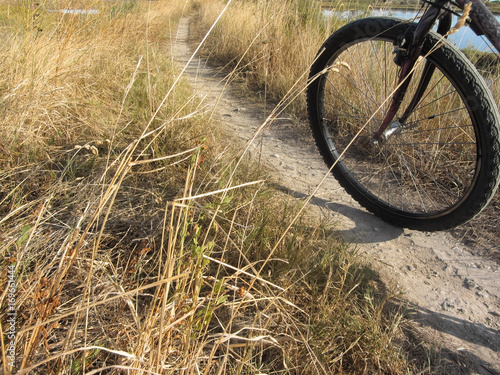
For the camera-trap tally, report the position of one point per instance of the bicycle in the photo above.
(404, 120)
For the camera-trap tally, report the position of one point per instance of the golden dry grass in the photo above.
(137, 246)
(270, 45)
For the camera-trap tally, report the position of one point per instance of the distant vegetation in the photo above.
(394, 4)
(364, 4)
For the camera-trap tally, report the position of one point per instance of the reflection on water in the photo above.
(75, 11)
(464, 38)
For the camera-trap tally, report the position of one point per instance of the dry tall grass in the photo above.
(272, 45)
(269, 44)
(136, 247)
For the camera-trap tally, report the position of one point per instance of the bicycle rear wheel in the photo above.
(436, 170)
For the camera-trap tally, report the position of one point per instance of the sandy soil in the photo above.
(454, 294)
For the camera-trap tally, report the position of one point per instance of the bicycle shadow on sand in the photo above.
(364, 227)
(459, 361)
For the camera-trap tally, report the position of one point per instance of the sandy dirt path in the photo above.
(455, 295)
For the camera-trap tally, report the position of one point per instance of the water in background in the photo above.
(74, 11)
(464, 38)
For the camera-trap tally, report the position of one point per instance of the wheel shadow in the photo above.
(459, 361)
(365, 227)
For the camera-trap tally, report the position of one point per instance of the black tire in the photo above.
(437, 171)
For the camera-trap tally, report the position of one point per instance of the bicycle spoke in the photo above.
(427, 162)
(419, 146)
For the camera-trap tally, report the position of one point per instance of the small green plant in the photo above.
(123, 7)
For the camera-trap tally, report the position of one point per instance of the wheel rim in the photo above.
(426, 167)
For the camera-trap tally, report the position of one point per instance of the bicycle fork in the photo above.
(407, 53)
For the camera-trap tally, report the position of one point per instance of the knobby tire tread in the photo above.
(487, 183)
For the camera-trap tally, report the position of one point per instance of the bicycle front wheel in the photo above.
(434, 170)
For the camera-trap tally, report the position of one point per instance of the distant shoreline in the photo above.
(495, 8)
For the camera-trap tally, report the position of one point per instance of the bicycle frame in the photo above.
(478, 22)
(407, 53)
